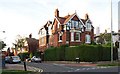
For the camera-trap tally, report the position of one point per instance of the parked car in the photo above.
(28, 60)
(7, 59)
(12, 59)
(36, 59)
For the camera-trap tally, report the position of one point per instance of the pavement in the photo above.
(21, 67)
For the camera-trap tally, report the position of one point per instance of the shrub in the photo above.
(23, 55)
(88, 53)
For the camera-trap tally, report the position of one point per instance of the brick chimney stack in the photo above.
(30, 36)
(86, 16)
(56, 13)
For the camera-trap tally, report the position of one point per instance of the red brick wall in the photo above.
(55, 43)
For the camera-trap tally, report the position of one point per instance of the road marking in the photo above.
(77, 69)
(93, 68)
(83, 68)
(58, 64)
(37, 69)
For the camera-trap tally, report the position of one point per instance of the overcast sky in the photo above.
(27, 16)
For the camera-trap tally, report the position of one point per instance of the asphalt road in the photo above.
(54, 68)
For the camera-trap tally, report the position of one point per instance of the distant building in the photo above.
(31, 44)
(97, 34)
(70, 29)
(97, 31)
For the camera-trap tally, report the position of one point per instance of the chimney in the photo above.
(56, 13)
(30, 36)
(86, 16)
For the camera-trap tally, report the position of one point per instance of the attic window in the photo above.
(74, 24)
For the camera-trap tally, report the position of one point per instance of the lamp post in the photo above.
(111, 36)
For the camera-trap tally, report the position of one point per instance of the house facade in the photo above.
(45, 35)
(31, 44)
(70, 29)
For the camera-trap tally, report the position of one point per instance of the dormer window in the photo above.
(74, 24)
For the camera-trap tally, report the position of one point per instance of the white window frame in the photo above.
(72, 36)
(59, 38)
(86, 38)
(76, 25)
(72, 24)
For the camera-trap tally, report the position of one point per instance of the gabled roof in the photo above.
(83, 20)
(61, 19)
(32, 43)
(46, 25)
(65, 19)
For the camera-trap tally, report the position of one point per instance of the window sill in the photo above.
(88, 42)
(60, 41)
(78, 41)
(75, 41)
(88, 30)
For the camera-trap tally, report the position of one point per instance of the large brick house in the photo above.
(70, 29)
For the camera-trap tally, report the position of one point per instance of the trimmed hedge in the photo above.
(89, 53)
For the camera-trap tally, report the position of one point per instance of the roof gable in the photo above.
(75, 18)
(65, 19)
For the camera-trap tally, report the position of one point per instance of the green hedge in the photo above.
(84, 52)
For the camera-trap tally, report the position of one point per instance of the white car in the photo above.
(16, 59)
(35, 59)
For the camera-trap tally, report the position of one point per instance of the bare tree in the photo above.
(2, 45)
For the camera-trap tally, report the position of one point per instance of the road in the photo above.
(63, 68)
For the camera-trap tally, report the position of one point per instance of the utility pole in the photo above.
(111, 36)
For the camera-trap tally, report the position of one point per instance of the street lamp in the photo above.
(111, 36)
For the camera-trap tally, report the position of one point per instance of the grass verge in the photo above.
(17, 72)
(110, 64)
